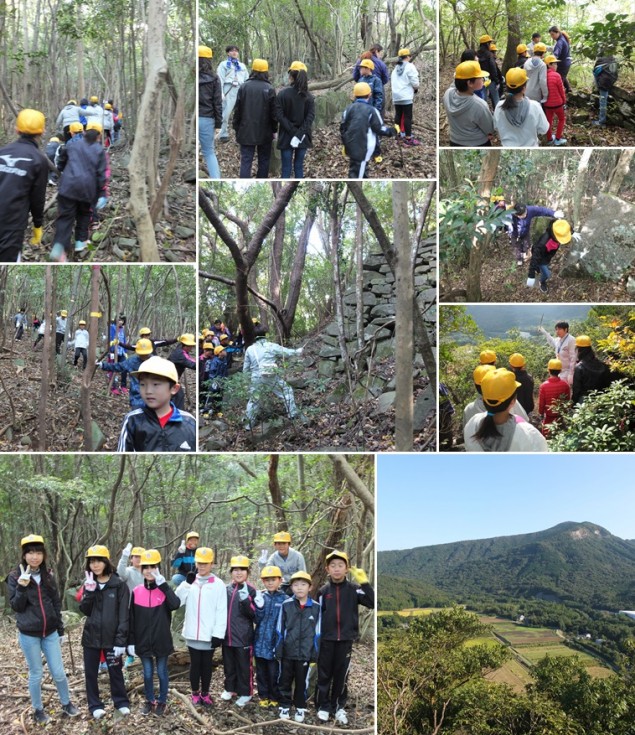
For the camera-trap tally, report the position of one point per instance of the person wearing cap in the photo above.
(232, 74)
(23, 177)
(562, 52)
(215, 372)
(298, 645)
(109, 124)
(20, 323)
(95, 108)
(366, 68)
(553, 390)
(558, 233)
(158, 426)
(520, 233)
(360, 128)
(496, 429)
(265, 637)
(35, 599)
(117, 352)
(295, 113)
(130, 366)
(487, 357)
(477, 406)
(487, 63)
(525, 395)
(404, 82)
(565, 349)
(255, 120)
(469, 116)
(183, 360)
(129, 566)
(210, 109)
(523, 55)
(184, 561)
(374, 53)
(70, 113)
(242, 601)
(590, 372)
(339, 600)
(519, 120)
(535, 38)
(555, 104)
(151, 605)
(80, 342)
(146, 333)
(536, 71)
(205, 599)
(288, 560)
(105, 600)
(51, 149)
(60, 329)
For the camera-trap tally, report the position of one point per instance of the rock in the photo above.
(190, 175)
(385, 402)
(98, 436)
(329, 106)
(26, 441)
(127, 242)
(8, 434)
(630, 286)
(329, 351)
(326, 368)
(381, 289)
(328, 340)
(184, 232)
(428, 296)
(385, 349)
(375, 333)
(368, 296)
(374, 262)
(424, 405)
(383, 310)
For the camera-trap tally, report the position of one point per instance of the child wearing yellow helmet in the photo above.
(295, 110)
(477, 406)
(518, 119)
(554, 389)
(556, 102)
(210, 109)
(559, 232)
(287, 559)
(590, 372)
(265, 637)
(468, 114)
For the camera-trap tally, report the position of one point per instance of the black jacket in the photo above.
(150, 619)
(142, 432)
(299, 630)
(605, 71)
(83, 167)
(589, 374)
(295, 115)
(539, 253)
(357, 120)
(340, 616)
(182, 360)
(525, 395)
(23, 176)
(255, 113)
(486, 59)
(38, 607)
(107, 614)
(240, 617)
(210, 99)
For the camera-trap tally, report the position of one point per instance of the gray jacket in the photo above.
(131, 576)
(469, 116)
(292, 564)
(536, 70)
(71, 114)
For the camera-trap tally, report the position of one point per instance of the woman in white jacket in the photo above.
(404, 81)
(205, 600)
(564, 345)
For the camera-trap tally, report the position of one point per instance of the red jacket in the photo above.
(551, 390)
(556, 96)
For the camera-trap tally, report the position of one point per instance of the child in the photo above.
(182, 359)
(366, 69)
(103, 193)
(40, 332)
(51, 149)
(552, 390)
(143, 351)
(151, 606)
(210, 109)
(158, 426)
(117, 352)
(295, 112)
(519, 120)
(287, 560)
(242, 601)
(267, 669)
(526, 391)
(215, 372)
(404, 81)
(469, 116)
(536, 71)
(339, 600)
(556, 101)
(81, 344)
(360, 127)
(105, 599)
(184, 562)
(523, 55)
(132, 575)
(522, 216)
(558, 233)
(205, 601)
(496, 430)
(298, 645)
(60, 330)
(34, 597)
(605, 73)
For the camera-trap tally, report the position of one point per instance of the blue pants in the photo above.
(287, 156)
(545, 273)
(206, 132)
(604, 101)
(247, 153)
(148, 678)
(33, 647)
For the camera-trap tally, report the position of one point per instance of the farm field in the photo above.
(513, 674)
(536, 653)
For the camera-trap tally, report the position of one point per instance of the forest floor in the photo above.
(578, 129)
(180, 718)
(20, 380)
(114, 237)
(504, 281)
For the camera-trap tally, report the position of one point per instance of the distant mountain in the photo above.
(579, 562)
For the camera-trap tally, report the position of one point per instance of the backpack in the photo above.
(605, 72)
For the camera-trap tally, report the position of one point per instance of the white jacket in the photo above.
(260, 358)
(565, 352)
(81, 338)
(526, 437)
(205, 608)
(403, 81)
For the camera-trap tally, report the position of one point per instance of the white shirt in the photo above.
(526, 136)
(81, 338)
(526, 437)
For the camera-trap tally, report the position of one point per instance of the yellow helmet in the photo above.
(485, 39)
(515, 78)
(94, 98)
(204, 555)
(107, 106)
(361, 89)
(480, 371)
(260, 65)
(150, 557)
(32, 538)
(187, 339)
(270, 572)
(297, 66)
(487, 357)
(76, 127)
(191, 534)
(137, 551)
(282, 537)
(521, 49)
(94, 125)
(98, 551)
(31, 122)
(205, 52)
(498, 386)
(156, 365)
(583, 341)
(144, 331)
(403, 52)
(81, 322)
(337, 555)
(367, 64)
(208, 345)
(143, 347)
(540, 48)
(54, 139)
(562, 231)
(469, 70)
(517, 360)
(218, 350)
(305, 576)
(550, 59)
(239, 562)
(554, 364)
(64, 313)
(72, 102)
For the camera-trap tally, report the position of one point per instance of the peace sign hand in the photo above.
(25, 576)
(90, 585)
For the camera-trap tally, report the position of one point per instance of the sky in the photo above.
(424, 500)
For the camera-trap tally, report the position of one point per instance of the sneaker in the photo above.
(57, 254)
(284, 713)
(124, 390)
(80, 246)
(40, 716)
(70, 710)
(341, 717)
(543, 287)
(123, 711)
(299, 715)
(115, 392)
(226, 696)
(560, 141)
(160, 708)
(600, 123)
(412, 141)
(99, 713)
(147, 708)
(264, 703)
(224, 139)
(196, 698)
(242, 701)
(206, 700)
(323, 715)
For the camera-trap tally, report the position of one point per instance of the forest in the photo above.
(602, 420)
(594, 30)
(137, 58)
(593, 191)
(57, 399)
(236, 503)
(329, 39)
(347, 272)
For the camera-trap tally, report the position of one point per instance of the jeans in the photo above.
(148, 678)
(604, 101)
(33, 647)
(206, 132)
(286, 155)
(247, 156)
(545, 273)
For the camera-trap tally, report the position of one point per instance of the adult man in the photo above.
(288, 560)
(232, 74)
(564, 346)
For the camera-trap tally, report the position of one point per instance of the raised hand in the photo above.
(90, 585)
(182, 547)
(158, 578)
(25, 576)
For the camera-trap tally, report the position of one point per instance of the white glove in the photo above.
(243, 592)
(90, 585)
(263, 556)
(119, 651)
(182, 546)
(159, 579)
(558, 214)
(300, 351)
(25, 576)
(63, 639)
(259, 599)
(576, 236)
(131, 651)
(295, 141)
(531, 282)
(127, 550)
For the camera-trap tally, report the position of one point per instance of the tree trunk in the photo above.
(359, 284)
(336, 231)
(276, 493)
(580, 185)
(513, 35)
(620, 170)
(93, 331)
(46, 351)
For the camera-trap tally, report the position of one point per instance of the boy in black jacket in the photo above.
(298, 645)
(339, 600)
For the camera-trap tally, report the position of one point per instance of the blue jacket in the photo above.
(377, 89)
(562, 51)
(128, 366)
(521, 227)
(265, 637)
(215, 368)
(184, 562)
(380, 70)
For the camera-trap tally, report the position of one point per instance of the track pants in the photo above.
(237, 662)
(333, 665)
(294, 683)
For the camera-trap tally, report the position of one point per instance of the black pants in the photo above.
(200, 669)
(294, 675)
(237, 662)
(37, 339)
(403, 117)
(267, 672)
(333, 664)
(354, 168)
(19, 331)
(59, 340)
(115, 672)
(71, 213)
(81, 352)
(247, 156)
(10, 245)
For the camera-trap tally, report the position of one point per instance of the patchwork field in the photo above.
(513, 674)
